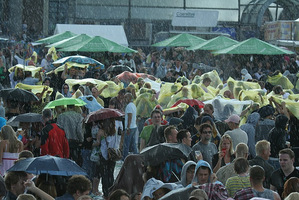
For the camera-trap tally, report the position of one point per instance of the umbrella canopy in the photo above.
(216, 43)
(56, 38)
(65, 102)
(48, 165)
(253, 46)
(158, 153)
(70, 41)
(181, 40)
(190, 102)
(78, 59)
(28, 117)
(103, 113)
(119, 68)
(18, 94)
(98, 44)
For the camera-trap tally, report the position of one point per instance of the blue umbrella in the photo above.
(79, 59)
(48, 165)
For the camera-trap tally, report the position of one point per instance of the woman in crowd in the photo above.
(10, 147)
(225, 154)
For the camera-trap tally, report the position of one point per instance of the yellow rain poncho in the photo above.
(293, 106)
(69, 65)
(166, 91)
(145, 103)
(185, 93)
(52, 51)
(36, 89)
(279, 79)
(32, 69)
(213, 75)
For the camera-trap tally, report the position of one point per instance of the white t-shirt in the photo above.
(130, 108)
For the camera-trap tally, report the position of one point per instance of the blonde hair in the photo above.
(261, 146)
(7, 133)
(226, 136)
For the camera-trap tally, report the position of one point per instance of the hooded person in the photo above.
(245, 75)
(91, 103)
(265, 124)
(249, 128)
(189, 117)
(65, 91)
(186, 173)
(155, 189)
(203, 173)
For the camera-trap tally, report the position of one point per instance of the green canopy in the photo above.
(56, 38)
(65, 102)
(181, 40)
(216, 43)
(70, 41)
(254, 46)
(98, 44)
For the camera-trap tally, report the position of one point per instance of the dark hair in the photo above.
(78, 182)
(26, 154)
(12, 178)
(241, 165)
(122, 92)
(47, 113)
(257, 174)
(288, 151)
(207, 79)
(204, 126)
(156, 111)
(182, 134)
(115, 195)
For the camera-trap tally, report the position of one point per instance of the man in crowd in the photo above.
(286, 171)
(130, 126)
(152, 134)
(236, 133)
(262, 149)
(53, 138)
(77, 186)
(257, 176)
(227, 171)
(170, 134)
(72, 121)
(207, 148)
(203, 173)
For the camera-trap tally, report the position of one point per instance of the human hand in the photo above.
(128, 131)
(29, 184)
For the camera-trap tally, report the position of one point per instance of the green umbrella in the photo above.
(181, 40)
(216, 43)
(65, 102)
(253, 46)
(56, 38)
(99, 44)
(70, 41)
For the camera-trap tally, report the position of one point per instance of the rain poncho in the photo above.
(189, 117)
(279, 79)
(35, 88)
(92, 104)
(145, 103)
(153, 185)
(167, 90)
(185, 93)
(249, 128)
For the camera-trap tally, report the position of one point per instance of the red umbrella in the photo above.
(102, 114)
(190, 102)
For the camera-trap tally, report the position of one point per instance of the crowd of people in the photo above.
(239, 125)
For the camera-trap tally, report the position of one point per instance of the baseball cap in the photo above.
(233, 118)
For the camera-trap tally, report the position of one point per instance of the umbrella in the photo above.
(119, 68)
(190, 102)
(98, 44)
(253, 46)
(102, 114)
(181, 40)
(28, 117)
(65, 102)
(78, 59)
(216, 43)
(70, 41)
(48, 165)
(57, 37)
(17, 94)
(158, 153)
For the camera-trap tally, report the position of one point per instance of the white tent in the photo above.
(114, 33)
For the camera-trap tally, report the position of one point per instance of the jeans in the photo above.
(106, 172)
(129, 142)
(87, 163)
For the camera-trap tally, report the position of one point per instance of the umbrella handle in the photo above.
(175, 175)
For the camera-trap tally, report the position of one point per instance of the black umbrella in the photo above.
(17, 94)
(48, 165)
(28, 117)
(119, 68)
(154, 155)
(178, 194)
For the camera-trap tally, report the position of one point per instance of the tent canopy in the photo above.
(114, 33)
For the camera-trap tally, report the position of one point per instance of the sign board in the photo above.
(278, 30)
(195, 18)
